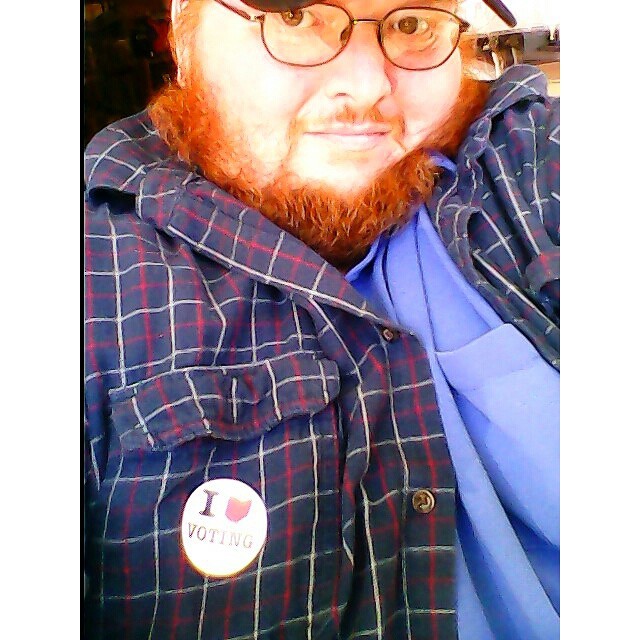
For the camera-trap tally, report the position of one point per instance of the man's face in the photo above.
(336, 126)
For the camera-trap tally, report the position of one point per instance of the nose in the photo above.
(359, 74)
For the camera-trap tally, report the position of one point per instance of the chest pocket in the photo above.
(230, 403)
(273, 425)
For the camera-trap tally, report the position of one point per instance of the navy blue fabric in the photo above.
(218, 346)
(499, 402)
(191, 296)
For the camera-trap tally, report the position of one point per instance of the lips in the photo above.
(352, 130)
(352, 137)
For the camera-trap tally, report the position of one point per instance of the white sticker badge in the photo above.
(224, 527)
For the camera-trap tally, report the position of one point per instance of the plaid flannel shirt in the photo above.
(219, 346)
(499, 215)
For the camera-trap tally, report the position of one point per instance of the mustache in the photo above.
(349, 116)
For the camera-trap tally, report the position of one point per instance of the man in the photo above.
(322, 335)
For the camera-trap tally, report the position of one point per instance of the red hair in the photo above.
(340, 228)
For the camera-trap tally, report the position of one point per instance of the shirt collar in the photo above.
(441, 161)
(129, 157)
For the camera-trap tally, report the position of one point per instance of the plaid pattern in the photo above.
(499, 215)
(219, 346)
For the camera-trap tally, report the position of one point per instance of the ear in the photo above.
(181, 55)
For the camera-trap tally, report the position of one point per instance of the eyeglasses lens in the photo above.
(307, 36)
(419, 38)
(411, 38)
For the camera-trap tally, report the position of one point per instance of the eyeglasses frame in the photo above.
(464, 26)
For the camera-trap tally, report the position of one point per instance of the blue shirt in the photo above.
(499, 401)
(217, 345)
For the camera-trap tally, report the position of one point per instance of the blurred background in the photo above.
(534, 40)
(127, 57)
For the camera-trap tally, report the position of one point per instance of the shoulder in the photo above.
(117, 160)
(117, 240)
(520, 117)
(122, 153)
(519, 89)
(510, 160)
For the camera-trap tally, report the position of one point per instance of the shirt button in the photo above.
(389, 334)
(423, 501)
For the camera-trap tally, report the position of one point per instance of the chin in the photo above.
(342, 171)
(341, 180)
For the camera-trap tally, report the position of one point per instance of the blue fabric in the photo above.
(182, 277)
(498, 214)
(219, 346)
(499, 401)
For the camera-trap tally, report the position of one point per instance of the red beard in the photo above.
(340, 228)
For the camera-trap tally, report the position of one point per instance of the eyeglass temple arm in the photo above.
(498, 7)
(240, 12)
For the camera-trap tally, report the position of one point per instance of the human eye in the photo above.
(411, 25)
(298, 18)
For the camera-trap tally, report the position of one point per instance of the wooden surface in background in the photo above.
(552, 70)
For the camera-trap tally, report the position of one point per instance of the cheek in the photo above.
(258, 97)
(253, 88)
(265, 111)
(427, 97)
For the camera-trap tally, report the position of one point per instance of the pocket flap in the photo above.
(230, 403)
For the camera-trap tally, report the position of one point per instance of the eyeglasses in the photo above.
(412, 38)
